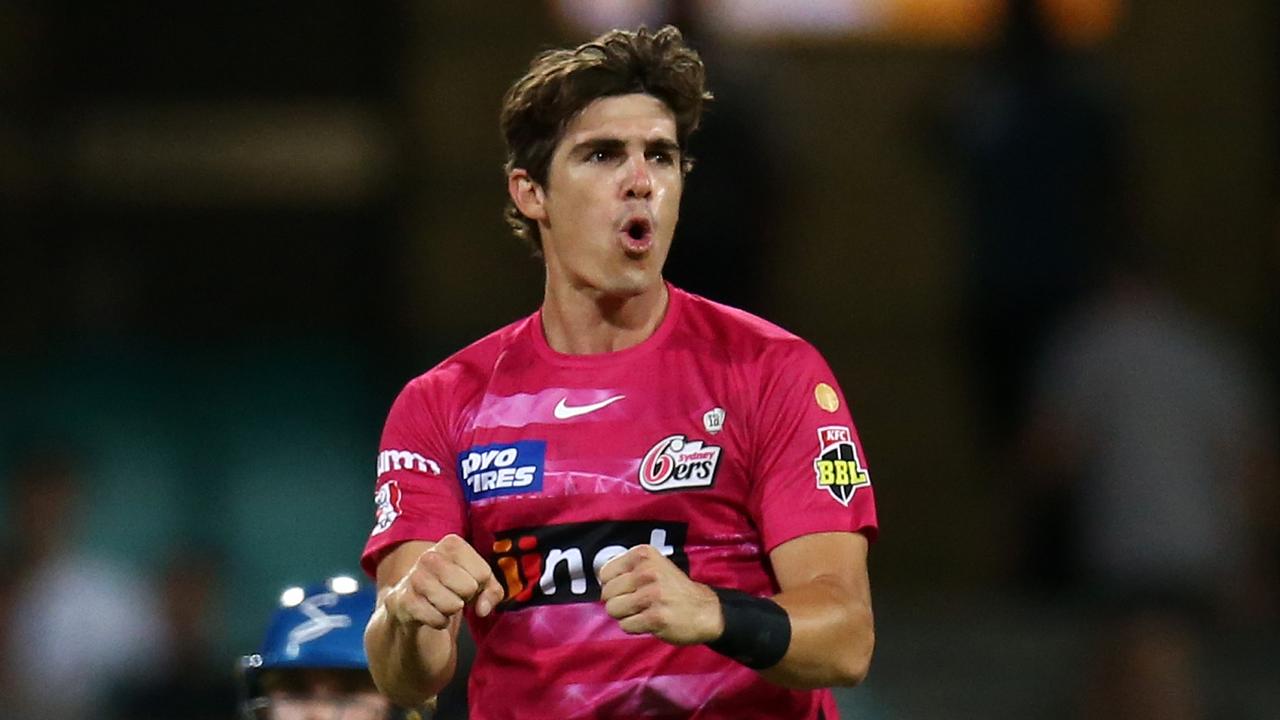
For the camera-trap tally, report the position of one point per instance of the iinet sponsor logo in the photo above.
(389, 460)
(560, 564)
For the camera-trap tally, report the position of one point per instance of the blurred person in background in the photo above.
(77, 624)
(645, 503)
(1158, 428)
(312, 665)
(190, 683)
(1037, 149)
(9, 697)
(1040, 163)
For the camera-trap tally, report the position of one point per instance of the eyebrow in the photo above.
(607, 144)
(612, 144)
(662, 144)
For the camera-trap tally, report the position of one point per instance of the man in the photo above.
(76, 623)
(312, 664)
(645, 504)
(1153, 425)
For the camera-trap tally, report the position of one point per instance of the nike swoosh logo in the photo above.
(564, 411)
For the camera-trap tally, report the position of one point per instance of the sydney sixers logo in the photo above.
(678, 463)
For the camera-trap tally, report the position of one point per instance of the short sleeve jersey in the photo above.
(715, 440)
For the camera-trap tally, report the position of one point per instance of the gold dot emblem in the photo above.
(827, 398)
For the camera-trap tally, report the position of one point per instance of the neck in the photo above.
(585, 321)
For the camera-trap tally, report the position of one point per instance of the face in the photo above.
(609, 208)
(325, 695)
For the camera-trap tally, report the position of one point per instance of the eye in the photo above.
(600, 156)
(662, 157)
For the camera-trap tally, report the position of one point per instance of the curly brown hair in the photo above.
(560, 83)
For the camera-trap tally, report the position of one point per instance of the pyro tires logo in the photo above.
(492, 470)
(678, 463)
(837, 467)
(559, 564)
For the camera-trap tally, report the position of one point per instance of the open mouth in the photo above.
(637, 235)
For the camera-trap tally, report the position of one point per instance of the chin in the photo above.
(621, 291)
(626, 286)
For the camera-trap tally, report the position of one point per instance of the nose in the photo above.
(639, 183)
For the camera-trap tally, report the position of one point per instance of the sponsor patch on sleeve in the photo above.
(387, 507)
(505, 469)
(389, 460)
(837, 467)
(826, 397)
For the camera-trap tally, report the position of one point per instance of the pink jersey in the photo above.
(715, 440)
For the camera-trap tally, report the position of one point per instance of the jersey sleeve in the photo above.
(810, 472)
(416, 495)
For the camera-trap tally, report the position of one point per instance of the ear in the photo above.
(527, 194)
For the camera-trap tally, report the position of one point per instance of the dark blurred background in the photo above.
(1037, 241)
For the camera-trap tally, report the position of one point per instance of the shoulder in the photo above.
(745, 337)
(468, 371)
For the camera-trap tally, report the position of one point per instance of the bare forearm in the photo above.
(816, 633)
(410, 663)
(412, 639)
(832, 637)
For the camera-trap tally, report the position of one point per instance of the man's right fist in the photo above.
(442, 581)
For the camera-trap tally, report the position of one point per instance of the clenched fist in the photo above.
(648, 594)
(442, 581)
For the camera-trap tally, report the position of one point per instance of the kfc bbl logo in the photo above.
(837, 467)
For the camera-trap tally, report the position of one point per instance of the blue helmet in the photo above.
(319, 626)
